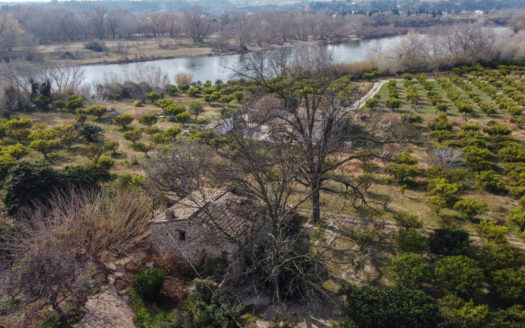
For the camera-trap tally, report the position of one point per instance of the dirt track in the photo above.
(372, 92)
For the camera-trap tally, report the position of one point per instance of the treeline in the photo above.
(445, 47)
(31, 25)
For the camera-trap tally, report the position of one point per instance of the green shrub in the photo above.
(91, 132)
(172, 90)
(95, 46)
(152, 97)
(193, 92)
(174, 110)
(74, 102)
(123, 120)
(411, 241)
(133, 135)
(97, 111)
(512, 152)
(470, 207)
(494, 129)
(500, 255)
(196, 108)
(393, 103)
(148, 284)
(508, 285)
(488, 181)
(163, 103)
(183, 117)
(517, 218)
(441, 106)
(403, 173)
(209, 313)
(369, 306)
(459, 275)
(448, 241)
(407, 220)
(458, 313)
(441, 193)
(440, 123)
(478, 159)
(488, 230)
(148, 119)
(410, 270)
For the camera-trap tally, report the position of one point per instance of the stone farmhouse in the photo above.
(207, 223)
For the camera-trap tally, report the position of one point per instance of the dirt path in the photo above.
(107, 310)
(372, 92)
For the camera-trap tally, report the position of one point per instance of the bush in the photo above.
(173, 110)
(193, 92)
(152, 97)
(488, 181)
(410, 270)
(95, 46)
(470, 207)
(28, 184)
(459, 275)
(458, 313)
(478, 159)
(183, 79)
(512, 152)
(448, 241)
(393, 103)
(148, 284)
(206, 311)
(496, 255)
(123, 120)
(172, 90)
(148, 120)
(517, 218)
(411, 241)
(96, 110)
(407, 220)
(31, 184)
(441, 193)
(441, 106)
(508, 285)
(403, 173)
(133, 135)
(74, 102)
(183, 117)
(196, 108)
(91, 132)
(369, 306)
(137, 103)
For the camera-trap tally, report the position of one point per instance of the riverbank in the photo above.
(141, 50)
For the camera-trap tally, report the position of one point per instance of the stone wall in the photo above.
(192, 239)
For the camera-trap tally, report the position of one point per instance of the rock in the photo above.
(121, 284)
(132, 267)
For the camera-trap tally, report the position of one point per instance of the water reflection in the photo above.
(219, 67)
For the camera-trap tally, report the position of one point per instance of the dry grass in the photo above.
(123, 50)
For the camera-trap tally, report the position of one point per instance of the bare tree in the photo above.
(58, 245)
(313, 111)
(97, 21)
(266, 171)
(11, 33)
(517, 21)
(65, 80)
(241, 28)
(197, 23)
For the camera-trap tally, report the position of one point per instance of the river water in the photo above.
(216, 67)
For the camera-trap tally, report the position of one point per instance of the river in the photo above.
(217, 67)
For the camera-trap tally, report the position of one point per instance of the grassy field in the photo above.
(122, 50)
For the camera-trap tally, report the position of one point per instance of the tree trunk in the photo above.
(316, 208)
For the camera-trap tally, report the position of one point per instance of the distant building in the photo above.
(207, 223)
